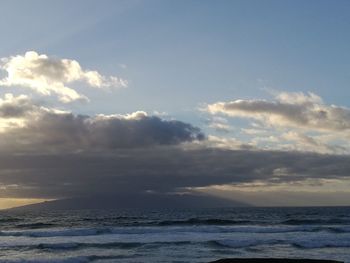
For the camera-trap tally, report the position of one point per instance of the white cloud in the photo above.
(298, 98)
(48, 75)
(295, 110)
(303, 142)
(292, 121)
(252, 131)
(219, 124)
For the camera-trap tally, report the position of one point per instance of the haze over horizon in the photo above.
(242, 100)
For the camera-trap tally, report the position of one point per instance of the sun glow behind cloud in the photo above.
(6, 203)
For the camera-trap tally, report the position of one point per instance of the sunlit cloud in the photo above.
(297, 110)
(291, 121)
(50, 75)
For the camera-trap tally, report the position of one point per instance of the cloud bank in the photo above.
(47, 152)
(160, 169)
(50, 153)
(49, 75)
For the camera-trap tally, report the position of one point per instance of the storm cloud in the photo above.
(48, 130)
(50, 152)
(161, 169)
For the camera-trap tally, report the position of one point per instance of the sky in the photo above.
(246, 100)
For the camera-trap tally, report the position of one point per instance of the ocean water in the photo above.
(174, 236)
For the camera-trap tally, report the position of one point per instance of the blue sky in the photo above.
(262, 75)
(182, 53)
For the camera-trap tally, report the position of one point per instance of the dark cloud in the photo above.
(160, 169)
(54, 132)
(56, 154)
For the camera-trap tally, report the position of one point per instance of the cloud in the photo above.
(296, 110)
(16, 110)
(14, 107)
(285, 196)
(160, 169)
(50, 153)
(291, 121)
(219, 124)
(51, 130)
(54, 154)
(49, 75)
(302, 142)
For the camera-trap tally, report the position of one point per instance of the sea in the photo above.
(201, 235)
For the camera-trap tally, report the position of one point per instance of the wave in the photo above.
(198, 221)
(58, 232)
(333, 221)
(307, 244)
(339, 229)
(77, 245)
(303, 244)
(138, 221)
(239, 243)
(108, 245)
(37, 225)
(112, 219)
(71, 232)
(10, 220)
(79, 259)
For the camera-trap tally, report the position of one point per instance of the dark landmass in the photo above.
(273, 260)
(138, 201)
